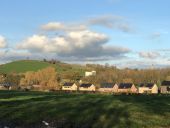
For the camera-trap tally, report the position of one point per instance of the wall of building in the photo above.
(91, 88)
(105, 89)
(3, 88)
(70, 88)
(133, 89)
(114, 89)
(164, 89)
(155, 89)
(92, 73)
(142, 89)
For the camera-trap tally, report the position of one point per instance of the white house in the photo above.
(148, 88)
(69, 87)
(92, 73)
(87, 87)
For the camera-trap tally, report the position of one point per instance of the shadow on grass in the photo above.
(88, 110)
(157, 104)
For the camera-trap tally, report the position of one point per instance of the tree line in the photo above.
(48, 78)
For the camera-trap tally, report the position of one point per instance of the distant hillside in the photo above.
(23, 66)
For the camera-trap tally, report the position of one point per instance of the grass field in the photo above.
(29, 109)
(23, 66)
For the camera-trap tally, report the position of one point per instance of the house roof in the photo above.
(165, 83)
(107, 85)
(68, 84)
(85, 85)
(125, 85)
(6, 84)
(149, 85)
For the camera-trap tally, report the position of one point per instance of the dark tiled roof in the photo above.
(125, 85)
(149, 85)
(165, 83)
(107, 85)
(142, 85)
(5, 84)
(85, 85)
(68, 84)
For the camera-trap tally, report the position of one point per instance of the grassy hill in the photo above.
(29, 109)
(23, 66)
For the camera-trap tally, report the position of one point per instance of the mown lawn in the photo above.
(29, 109)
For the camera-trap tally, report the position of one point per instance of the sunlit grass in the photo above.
(106, 111)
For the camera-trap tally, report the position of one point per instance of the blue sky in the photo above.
(139, 29)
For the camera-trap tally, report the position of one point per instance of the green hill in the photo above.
(23, 66)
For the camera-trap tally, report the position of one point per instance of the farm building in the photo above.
(165, 87)
(69, 87)
(148, 88)
(87, 87)
(108, 87)
(92, 73)
(127, 88)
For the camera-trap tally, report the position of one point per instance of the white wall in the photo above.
(92, 73)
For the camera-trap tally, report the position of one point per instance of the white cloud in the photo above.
(105, 20)
(77, 44)
(124, 27)
(73, 42)
(155, 35)
(111, 22)
(34, 43)
(76, 40)
(2, 53)
(58, 26)
(149, 55)
(144, 64)
(10, 55)
(3, 42)
(108, 21)
(52, 26)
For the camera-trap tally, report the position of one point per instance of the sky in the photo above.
(123, 33)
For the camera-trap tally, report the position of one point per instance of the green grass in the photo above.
(28, 109)
(23, 66)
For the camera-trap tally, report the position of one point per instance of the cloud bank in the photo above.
(149, 55)
(74, 41)
(107, 21)
(80, 45)
(111, 22)
(80, 42)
